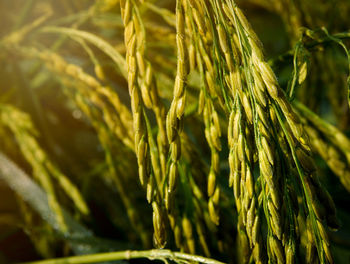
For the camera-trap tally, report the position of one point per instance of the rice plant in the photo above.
(184, 131)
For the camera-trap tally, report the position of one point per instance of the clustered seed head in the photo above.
(174, 120)
(143, 93)
(220, 66)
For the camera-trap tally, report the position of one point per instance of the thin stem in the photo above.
(309, 46)
(153, 254)
(291, 88)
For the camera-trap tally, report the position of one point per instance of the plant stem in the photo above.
(341, 36)
(159, 254)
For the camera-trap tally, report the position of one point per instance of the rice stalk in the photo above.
(25, 136)
(174, 119)
(143, 95)
(43, 169)
(208, 116)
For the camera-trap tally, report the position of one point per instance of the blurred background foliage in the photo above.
(45, 133)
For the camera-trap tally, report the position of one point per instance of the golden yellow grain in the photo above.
(176, 111)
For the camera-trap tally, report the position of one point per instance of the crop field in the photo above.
(174, 131)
